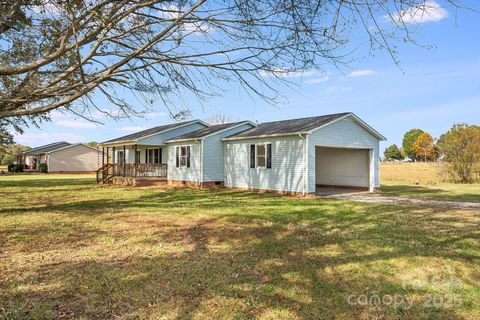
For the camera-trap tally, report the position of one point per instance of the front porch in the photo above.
(133, 165)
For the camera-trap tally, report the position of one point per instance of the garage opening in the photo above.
(342, 167)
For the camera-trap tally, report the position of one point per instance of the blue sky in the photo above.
(432, 89)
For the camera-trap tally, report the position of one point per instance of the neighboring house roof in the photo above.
(145, 133)
(74, 145)
(46, 148)
(299, 126)
(205, 132)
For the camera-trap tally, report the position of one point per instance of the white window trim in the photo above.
(186, 157)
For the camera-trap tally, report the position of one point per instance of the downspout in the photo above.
(304, 163)
(201, 161)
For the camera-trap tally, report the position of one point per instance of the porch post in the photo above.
(136, 160)
(124, 160)
(103, 157)
(114, 161)
(108, 153)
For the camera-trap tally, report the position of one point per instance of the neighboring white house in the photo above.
(292, 156)
(62, 157)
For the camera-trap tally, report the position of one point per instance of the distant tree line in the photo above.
(458, 149)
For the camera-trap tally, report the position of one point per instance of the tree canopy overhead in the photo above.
(58, 53)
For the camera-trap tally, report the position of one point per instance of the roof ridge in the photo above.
(312, 117)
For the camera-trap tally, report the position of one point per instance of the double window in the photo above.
(153, 155)
(182, 156)
(261, 155)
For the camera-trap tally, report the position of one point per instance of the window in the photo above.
(261, 155)
(153, 155)
(120, 157)
(182, 154)
(137, 156)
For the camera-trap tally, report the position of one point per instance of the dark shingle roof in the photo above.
(289, 126)
(141, 134)
(46, 148)
(206, 131)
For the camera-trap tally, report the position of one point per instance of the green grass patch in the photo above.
(436, 191)
(73, 249)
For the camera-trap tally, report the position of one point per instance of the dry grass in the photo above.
(412, 172)
(71, 249)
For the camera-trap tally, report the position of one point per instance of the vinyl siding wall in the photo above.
(183, 173)
(344, 133)
(287, 170)
(76, 158)
(213, 154)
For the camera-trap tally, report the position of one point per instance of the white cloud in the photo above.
(424, 12)
(337, 89)
(65, 120)
(132, 129)
(361, 73)
(46, 8)
(172, 11)
(38, 139)
(152, 115)
(284, 73)
(76, 124)
(317, 80)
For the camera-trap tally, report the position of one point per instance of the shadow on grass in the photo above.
(226, 254)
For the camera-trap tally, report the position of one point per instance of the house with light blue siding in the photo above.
(294, 156)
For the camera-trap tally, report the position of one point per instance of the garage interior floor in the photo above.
(330, 191)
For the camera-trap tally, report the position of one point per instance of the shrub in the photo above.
(43, 168)
(15, 167)
(461, 149)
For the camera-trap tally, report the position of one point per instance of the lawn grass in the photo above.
(424, 180)
(72, 249)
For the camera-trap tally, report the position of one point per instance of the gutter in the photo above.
(266, 136)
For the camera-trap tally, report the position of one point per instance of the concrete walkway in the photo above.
(355, 195)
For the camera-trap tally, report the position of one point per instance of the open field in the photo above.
(424, 180)
(72, 249)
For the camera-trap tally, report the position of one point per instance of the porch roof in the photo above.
(205, 132)
(134, 137)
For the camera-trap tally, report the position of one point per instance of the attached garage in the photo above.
(336, 150)
(346, 167)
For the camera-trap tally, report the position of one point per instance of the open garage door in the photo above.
(342, 167)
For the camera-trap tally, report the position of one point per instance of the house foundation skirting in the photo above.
(197, 185)
(138, 182)
(282, 192)
(72, 172)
